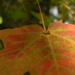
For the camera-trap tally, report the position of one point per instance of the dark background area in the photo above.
(17, 13)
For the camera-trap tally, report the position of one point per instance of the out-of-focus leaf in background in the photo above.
(17, 13)
(1, 20)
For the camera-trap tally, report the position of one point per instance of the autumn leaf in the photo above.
(31, 49)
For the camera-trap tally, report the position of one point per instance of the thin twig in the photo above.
(41, 15)
(72, 12)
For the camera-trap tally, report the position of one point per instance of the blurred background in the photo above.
(17, 13)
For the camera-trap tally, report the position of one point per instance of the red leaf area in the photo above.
(28, 49)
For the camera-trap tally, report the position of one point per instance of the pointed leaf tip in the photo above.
(59, 21)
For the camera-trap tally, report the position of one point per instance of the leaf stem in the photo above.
(41, 15)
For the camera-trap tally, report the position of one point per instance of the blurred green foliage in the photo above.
(1, 20)
(17, 13)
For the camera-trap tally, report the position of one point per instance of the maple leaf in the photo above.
(31, 50)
